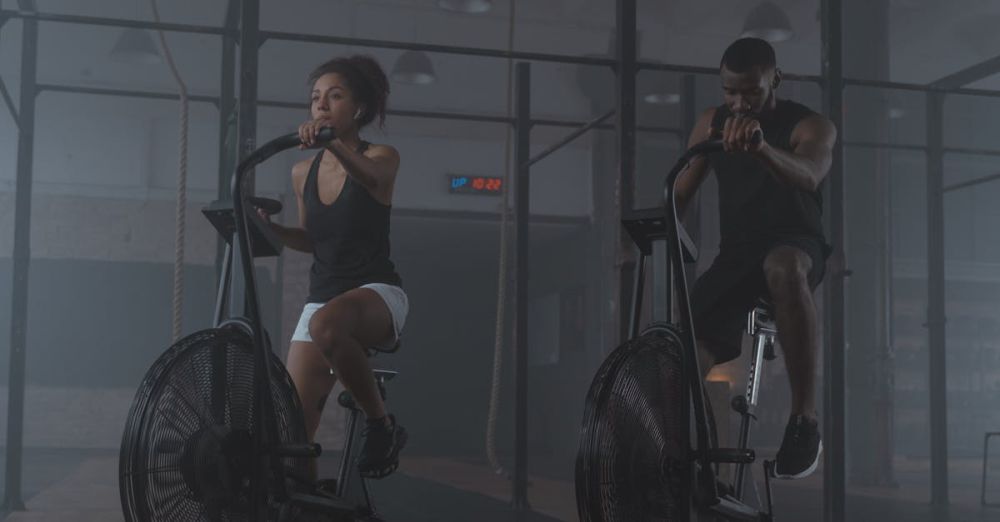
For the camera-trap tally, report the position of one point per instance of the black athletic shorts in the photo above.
(729, 289)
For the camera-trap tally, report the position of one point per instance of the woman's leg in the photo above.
(311, 374)
(343, 329)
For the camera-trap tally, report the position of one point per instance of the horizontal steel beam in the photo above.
(917, 87)
(125, 93)
(970, 74)
(572, 136)
(467, 51)
(971, 151)
(921, 148)
(485, 217)
(111, 22)
(437, 48)
(970, 183)
(887, 146)
(122, 93)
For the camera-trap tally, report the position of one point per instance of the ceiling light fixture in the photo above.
(413, 67)
(768, 21)
(136, 46)
(466, 6)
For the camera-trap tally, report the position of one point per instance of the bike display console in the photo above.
(647, 225)
(264, 241)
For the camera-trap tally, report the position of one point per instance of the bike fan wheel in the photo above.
(186, 450)
(633, 464)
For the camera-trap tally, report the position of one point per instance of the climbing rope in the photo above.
(178, 292)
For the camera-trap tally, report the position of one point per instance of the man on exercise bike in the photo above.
(772, 243)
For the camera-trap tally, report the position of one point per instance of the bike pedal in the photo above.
(739, 404)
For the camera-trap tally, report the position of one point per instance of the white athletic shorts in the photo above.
(394, 297)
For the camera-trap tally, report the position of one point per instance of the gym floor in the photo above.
(81, 486)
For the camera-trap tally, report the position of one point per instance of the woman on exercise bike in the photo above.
(355, 301)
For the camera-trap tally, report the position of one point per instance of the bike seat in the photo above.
(764, 304)
(375, 350)
(384, 375)
(345, 398)
(761, 316)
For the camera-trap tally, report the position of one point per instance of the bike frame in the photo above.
(265, 430)
(705, 485)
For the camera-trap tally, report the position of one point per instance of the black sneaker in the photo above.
(380, 451)
(800, 449)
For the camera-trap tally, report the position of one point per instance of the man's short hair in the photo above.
(746, 54)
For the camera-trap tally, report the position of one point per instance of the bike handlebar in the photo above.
(716, 145)
(675, 252)
(699, 149)
(264, 434)
(279, 144)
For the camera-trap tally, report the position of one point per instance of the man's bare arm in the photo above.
(808, 163)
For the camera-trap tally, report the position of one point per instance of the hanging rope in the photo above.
(498, 342)
(178, 293)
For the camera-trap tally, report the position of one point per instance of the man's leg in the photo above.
(720, 300)
(786, 269)
(706, 358)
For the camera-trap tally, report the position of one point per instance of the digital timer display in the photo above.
(474, 185)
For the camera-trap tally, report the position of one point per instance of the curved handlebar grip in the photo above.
(325, 135)
(755, 138)
(288, 141)
(715, 144)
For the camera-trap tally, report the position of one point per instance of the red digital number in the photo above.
(493, 185)
(478, 183)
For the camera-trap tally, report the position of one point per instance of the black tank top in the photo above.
(754, 205)
(350, 238)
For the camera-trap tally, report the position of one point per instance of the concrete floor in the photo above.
(81, 486)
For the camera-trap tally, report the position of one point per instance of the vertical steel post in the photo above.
(936, 299)
(227, 117)
(834, 411)
(22, 262)
(627, 69)
(522, 155)
(246, 133)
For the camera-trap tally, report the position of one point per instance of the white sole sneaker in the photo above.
(803, 474)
